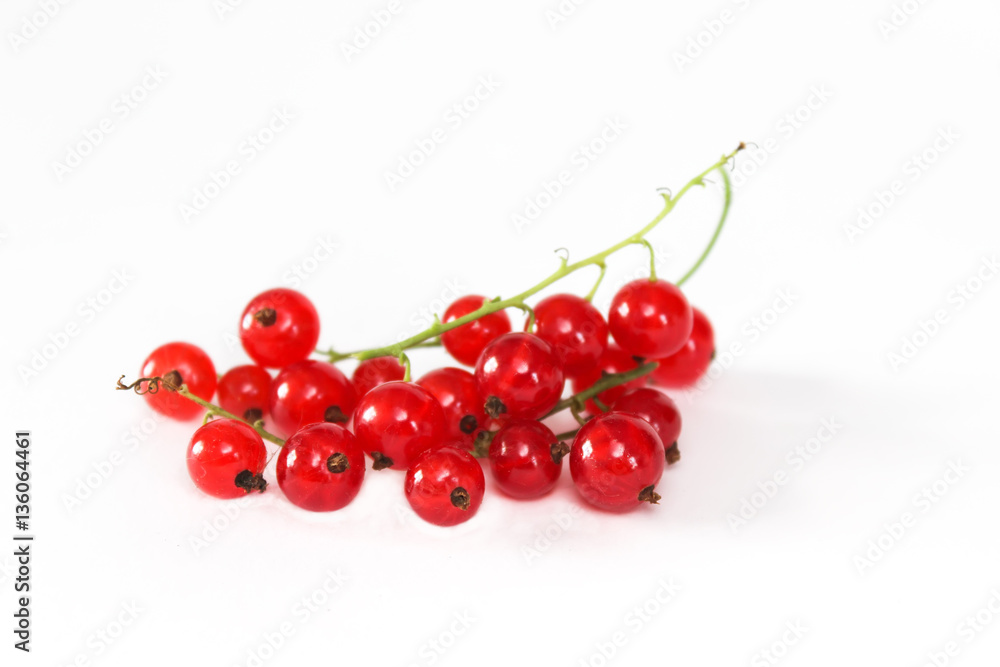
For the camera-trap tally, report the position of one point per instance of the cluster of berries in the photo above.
(434, 429)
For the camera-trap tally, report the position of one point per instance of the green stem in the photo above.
(518, 301)
(607, 382)
(718, 228)
(211, 407)
(600, 278)
(405, 360)
(652, 258)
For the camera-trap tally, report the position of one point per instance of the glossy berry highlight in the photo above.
(321, 467)
(458, 393)
(310, 392)
(651, 319)
(370, 373)
(245, 391)
(574, 328)
(226, 459)
(180, 364)
(396, 422)
(659, 411)
(466, 343)
(526, 459)
(279, 327)
(616, 460)
(445, 486)
(520, 375)
(683, 368)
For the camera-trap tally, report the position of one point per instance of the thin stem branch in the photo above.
(728, 187)
(211, 407)
(565, 268)
(607, 382)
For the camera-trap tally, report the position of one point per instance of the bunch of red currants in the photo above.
(435, 428)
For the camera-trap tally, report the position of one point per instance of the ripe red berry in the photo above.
(396, 422)
(244, 391)
(321, 467)
(520, 375)
(457, 392)
(309, 392)
(615, 360)
(180, 363)
(574, 328)
(466, 342)
(226, 458)
(650, 318)
(616, 461)
(526, 458)
(445, 486)
(659, 410)
(687, 365)
(279, 327)
(373, 372)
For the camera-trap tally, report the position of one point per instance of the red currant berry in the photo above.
(660, 411)
(396, 422)
(309, 392)
(279, 327)
(457, 392)
(686, 366)
(615, 360)
(520, 376)
(574, 328)
(445, 486)
(180, 363)
(226, 459)
(616, 461)
(650, 318)
(466, 342)
(321, 467)
(526, 458)
(244, 391)
(373, 372)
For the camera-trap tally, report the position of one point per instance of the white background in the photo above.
(447, 229)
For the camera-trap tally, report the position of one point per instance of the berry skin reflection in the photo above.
(291, 403)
